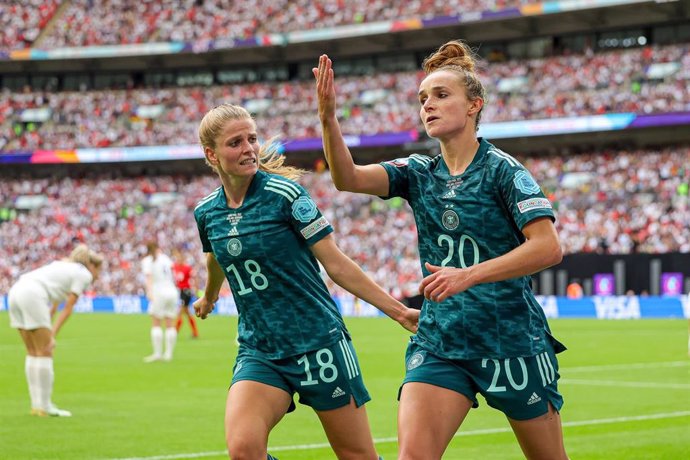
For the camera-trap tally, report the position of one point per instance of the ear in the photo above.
(475, 106)
(210, 155)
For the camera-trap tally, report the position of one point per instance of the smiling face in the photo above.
(236, 151)
(445, 109)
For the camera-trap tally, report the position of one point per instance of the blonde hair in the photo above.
(456, 56)
(83, 255)
(269, 159)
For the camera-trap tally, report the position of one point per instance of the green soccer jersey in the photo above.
(284, 306)
(462, 221)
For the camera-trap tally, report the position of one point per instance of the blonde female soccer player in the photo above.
(32, 300)
(265, 235)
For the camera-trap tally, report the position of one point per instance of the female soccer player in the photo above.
(32, 300)
(163, 297)
(484, 226)
(263, 232)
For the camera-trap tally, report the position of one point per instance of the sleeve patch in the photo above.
(314, 228)
(304, 209)
(398, 162)
(533, 203)
(525, 183)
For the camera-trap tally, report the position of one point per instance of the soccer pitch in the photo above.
(626, 386)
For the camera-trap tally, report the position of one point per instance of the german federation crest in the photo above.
(304, 209)
(450, 219)
(234, 247)
(525, 183)
(415, 361)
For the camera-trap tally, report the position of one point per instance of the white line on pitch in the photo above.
(565, 370)
(614, 383)
(601, 421)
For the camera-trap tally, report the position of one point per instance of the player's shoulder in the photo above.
(281, 188)
(496, 157)
(207, 202)
(415, 161)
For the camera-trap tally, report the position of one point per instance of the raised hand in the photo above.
(325, 88)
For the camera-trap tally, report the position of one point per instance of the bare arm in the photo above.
(346, 175)
(214, 280)
(541, 250)
(65, 313)
(347, 274)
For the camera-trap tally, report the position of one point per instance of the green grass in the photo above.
(626, 386)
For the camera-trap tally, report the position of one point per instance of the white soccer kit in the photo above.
(165, 294)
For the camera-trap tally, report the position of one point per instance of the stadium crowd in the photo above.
(120, 22)
(557, 86)
(614, 202)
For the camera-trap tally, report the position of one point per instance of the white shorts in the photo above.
(29, 306)
(164, 304)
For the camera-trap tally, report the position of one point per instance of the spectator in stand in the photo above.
(32, 301)
(183, 279)
(484, 227)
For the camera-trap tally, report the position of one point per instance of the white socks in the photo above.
(157, 341)
(157, 337)
(40, 376)
(170, 340)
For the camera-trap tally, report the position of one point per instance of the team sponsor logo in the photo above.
(314, 228)
(533, 203)
(450, 219)
(525, 183)
(337, 393)
(415, 361)
(535, 398)
(234, 219)
(449, 195)
(304, 209)
(234, 247)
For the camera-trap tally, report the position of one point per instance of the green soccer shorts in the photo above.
(521, 388)
(324, 379)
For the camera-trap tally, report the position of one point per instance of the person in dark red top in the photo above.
(183, 276)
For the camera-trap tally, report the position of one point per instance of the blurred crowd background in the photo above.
(618, 196)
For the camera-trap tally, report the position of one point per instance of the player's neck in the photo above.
(236, 189)
(458, 154)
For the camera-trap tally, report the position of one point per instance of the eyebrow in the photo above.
(433, 88)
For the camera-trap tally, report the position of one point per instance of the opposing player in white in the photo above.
(32, 300)
(163, 297)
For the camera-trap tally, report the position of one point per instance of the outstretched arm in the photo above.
(540, 250)
(347, 274)
(346, 175)
(214, 280)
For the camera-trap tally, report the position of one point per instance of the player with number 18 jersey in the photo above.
(284, 306)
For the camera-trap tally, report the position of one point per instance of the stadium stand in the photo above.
(617, 192)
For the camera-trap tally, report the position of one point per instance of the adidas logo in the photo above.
(450, 194)
(533, 399)
(233, 232)
(337, 392)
